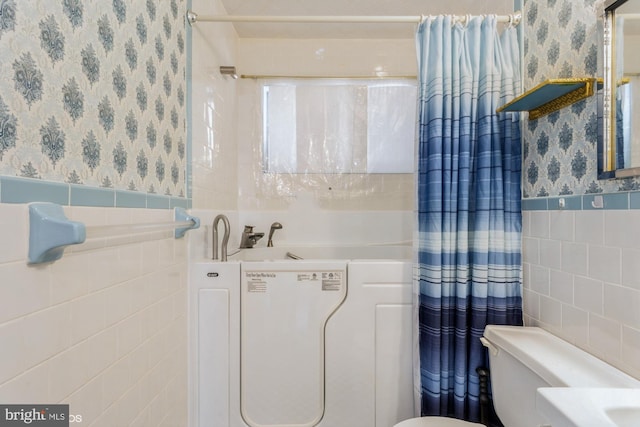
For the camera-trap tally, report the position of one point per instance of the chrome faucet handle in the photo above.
(249, 238)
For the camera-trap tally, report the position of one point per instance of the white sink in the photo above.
(624, 416)
(589, 407)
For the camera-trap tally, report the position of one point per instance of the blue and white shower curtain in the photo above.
(468, 270)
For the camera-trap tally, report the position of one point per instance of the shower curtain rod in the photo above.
(192, 17)
(316, 77)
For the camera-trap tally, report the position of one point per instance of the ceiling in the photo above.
(348, 8)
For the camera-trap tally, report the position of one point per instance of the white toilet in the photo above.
(436, 422)
(523, 359)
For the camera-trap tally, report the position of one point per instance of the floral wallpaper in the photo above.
(93, 93)
(560, 150)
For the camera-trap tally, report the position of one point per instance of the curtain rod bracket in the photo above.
(228, 70)
(192, 17)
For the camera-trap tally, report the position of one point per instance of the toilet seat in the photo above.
(436, 422)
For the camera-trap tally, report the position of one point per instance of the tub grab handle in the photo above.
(293, 256)
(492, 348)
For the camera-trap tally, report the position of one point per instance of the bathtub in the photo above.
(321, 341)
(377, 252)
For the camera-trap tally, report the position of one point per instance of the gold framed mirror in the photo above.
(619, 150)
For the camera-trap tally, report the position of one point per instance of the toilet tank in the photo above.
(523, 359)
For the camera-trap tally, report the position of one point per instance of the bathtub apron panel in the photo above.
(284, 314)
(360, 355)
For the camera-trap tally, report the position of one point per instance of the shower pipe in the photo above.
(192, 17)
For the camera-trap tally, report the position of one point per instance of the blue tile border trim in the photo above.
(130, 199)
(611, 201)
(20, 190)
(634, 200)
(27, 190)
(156, 201)
(571, 203)
(87, 196)
(534, 204)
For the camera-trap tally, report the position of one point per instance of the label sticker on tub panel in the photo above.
(257, 281)
(256, 286)
(308, 276)
(331, 280)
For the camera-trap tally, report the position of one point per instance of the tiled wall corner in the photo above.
(580, 280)
(102, 329)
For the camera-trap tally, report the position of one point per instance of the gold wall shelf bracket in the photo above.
(551, 95)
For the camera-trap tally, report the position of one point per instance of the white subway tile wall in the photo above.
(213, 112)
(103, 329)
(591, 294)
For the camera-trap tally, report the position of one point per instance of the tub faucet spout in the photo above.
(225, 237)
(249, 238)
